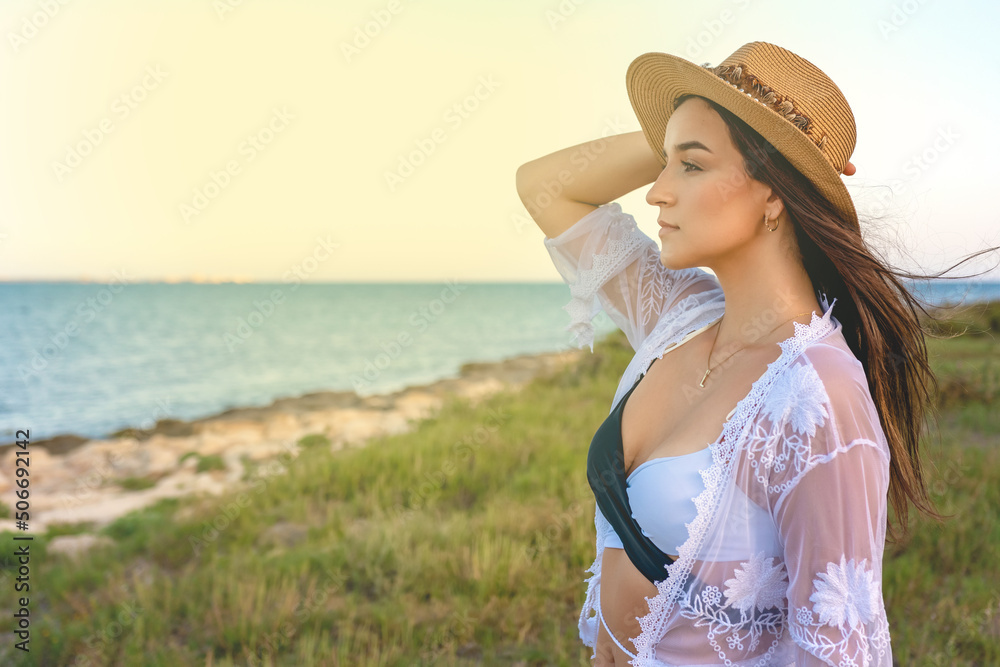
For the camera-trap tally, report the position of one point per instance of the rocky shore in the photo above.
(79, 480)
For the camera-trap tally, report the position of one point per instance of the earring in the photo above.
(770, 229)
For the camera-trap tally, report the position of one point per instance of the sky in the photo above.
(244, 140)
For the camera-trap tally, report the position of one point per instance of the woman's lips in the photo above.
(667, 228)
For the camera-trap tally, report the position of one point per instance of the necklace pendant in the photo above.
(702, 384)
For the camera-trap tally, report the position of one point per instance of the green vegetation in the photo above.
(57, 529)
(187, 455)
(210, 462)
(138, 483)
(465, 542)
(205, 463)
(314, 440)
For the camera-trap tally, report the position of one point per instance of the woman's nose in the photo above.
(661, 193)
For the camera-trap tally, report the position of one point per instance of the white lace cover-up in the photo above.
(805, 444)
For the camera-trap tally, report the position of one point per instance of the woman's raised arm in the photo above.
(560, 188)
(598, 249)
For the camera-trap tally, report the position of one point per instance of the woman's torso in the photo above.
(668, 414)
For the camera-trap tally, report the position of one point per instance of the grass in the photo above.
(204, 463)
(466, 542)
(138, 483)
(314, 440)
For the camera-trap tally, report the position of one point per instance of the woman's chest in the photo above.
(668, 413)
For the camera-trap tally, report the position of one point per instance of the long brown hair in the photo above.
(877, 311)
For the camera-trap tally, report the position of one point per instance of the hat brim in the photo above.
(654, 82)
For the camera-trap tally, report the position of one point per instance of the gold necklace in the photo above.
(712, 368)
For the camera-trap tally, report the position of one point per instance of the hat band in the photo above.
(745, 82)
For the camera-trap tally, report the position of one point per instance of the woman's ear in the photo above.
(774, 206)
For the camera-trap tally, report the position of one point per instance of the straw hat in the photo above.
(784, 97)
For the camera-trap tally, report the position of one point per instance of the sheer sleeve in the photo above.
(827, 488)
(609, 263)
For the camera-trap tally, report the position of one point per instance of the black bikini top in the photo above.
(606, 474)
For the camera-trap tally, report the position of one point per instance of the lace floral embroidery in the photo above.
(654, 282)
(845, 594)
(847, 598)
(798, 400)
(759, 583)
(757, 592)
(798, 396)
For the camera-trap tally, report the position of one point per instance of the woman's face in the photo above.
(705, 192)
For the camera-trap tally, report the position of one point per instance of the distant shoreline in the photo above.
(513, 370)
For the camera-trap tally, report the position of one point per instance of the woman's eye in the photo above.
(690, 167)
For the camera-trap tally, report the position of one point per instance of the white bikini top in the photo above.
(661, 493)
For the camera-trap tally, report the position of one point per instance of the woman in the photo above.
(742, 476)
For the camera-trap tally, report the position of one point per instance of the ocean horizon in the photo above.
(90, 359)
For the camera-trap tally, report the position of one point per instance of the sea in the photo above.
(90, 359)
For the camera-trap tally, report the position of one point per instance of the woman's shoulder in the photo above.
(824, 391)
(820, 344)
(834, 363)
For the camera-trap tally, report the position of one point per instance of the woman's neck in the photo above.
(763, 290)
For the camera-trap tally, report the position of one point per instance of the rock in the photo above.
(38, 459)
(173, 428)
(100, 506)
(476, 391)
(282, 426)
(418, 404)
(378, 401)
(41, 459)
(212, 442)
(234, 467)
(351, 426)
(75, 546)
(181, 481)
(164, 459)
(394, 423)
(99, 455)
(234, 429)
(56, 445)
